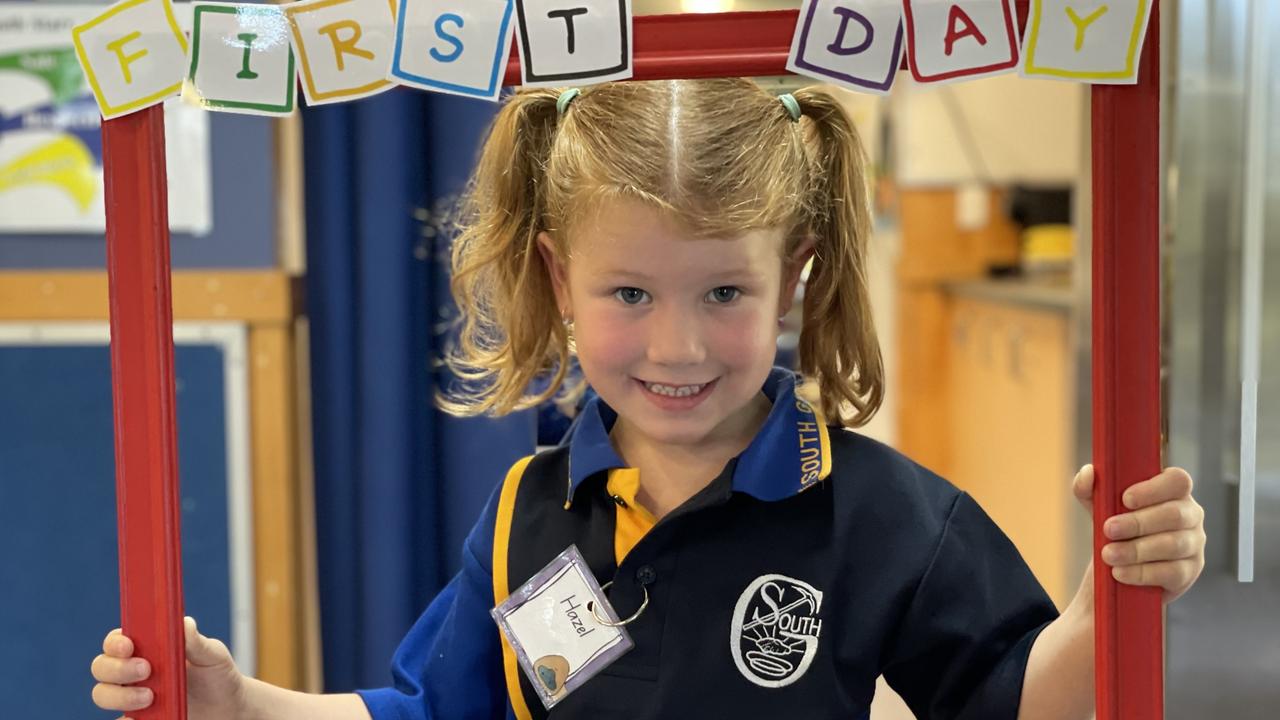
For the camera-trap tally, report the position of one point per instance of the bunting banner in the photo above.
(241, 59)
(248, 57)
(579, 43)
(140, 53)
(448, 47)
(853, 43)
(1091, 40)
(344, 47)
(950, 40)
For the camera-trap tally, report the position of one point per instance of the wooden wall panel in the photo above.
(248, 296)
(277, 546)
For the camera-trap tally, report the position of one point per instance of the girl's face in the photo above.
(675, 333)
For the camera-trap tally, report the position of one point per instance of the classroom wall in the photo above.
(995, 130)
(242, 167)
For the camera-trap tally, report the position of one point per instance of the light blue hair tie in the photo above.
(792, 105)
(566, 97)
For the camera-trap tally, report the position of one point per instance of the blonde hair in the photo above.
(722, 156)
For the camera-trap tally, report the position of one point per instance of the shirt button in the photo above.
(617, 500)
(646, 575)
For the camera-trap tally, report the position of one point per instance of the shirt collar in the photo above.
(790, 453)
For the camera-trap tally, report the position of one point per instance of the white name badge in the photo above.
(556, 636)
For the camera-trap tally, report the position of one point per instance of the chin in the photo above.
(675, 432)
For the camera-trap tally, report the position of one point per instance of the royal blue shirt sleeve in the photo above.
(961, 651)
(449, 666)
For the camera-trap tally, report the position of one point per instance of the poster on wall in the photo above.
(50, 136)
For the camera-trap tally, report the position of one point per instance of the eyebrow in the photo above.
(631, 275)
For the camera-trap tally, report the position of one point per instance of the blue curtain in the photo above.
(398, 484)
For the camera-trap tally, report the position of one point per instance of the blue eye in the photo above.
(630, 295)
(724, 294)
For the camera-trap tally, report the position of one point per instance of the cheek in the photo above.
(746, 338)
(605, 339)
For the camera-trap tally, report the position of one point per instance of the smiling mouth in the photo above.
(675, 391)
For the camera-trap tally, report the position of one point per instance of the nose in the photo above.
(675, 337)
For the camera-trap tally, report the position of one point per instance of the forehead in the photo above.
(632, 235)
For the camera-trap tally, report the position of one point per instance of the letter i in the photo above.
(245, 73)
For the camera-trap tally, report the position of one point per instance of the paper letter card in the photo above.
(574, 42)
(553, 631)
(1095, 40)
(454, 46)
(241, 60)
(951, 40)
(133, 55)
(344, 47)
(854, 43)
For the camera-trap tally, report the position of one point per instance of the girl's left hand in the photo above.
(1161, 541)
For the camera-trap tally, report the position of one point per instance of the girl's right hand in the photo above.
(215, 688)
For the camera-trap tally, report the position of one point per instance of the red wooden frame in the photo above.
(142, 385)
(1129, 636)
(1126, 350)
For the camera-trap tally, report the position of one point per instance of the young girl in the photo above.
(765, 560)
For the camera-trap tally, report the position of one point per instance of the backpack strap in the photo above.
(533, 526)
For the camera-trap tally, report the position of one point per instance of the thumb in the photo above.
(201, 650)
(1082, 487)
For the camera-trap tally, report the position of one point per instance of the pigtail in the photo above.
(838, 344)
(511, 331)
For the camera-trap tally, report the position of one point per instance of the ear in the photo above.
(556, 269)
(791, 270)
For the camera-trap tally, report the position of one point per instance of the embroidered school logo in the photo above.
(775, 630)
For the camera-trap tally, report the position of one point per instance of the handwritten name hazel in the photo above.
(571, 612)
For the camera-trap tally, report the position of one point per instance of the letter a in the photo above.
(970, 28)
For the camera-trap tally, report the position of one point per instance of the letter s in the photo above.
(774, 605)
(455, 42)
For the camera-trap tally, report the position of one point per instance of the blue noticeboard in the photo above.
(59, 585)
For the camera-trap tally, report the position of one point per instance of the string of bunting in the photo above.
(248, 58)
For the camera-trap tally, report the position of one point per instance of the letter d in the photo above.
(847, 14)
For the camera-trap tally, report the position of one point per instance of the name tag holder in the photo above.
(562, 627)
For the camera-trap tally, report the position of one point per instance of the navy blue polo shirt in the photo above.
(816, 561)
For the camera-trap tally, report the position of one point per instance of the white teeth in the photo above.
(674, 390)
